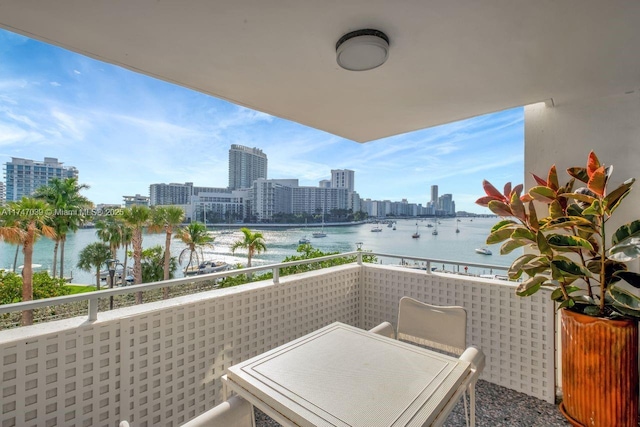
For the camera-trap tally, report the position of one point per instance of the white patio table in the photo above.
(344, 376)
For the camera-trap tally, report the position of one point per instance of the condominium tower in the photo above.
(245, 166)
(343, 178)
(24, 176)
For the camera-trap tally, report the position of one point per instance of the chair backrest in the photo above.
(438, 327)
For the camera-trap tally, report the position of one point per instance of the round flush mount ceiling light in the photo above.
(362, 50)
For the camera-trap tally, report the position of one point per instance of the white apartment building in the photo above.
(24, 176)
(343, 178)
(136, 200)
(245, 166)
(219, 205)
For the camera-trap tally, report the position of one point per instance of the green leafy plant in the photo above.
(568, 250)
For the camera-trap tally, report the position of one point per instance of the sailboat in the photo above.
(416, 235)
(320, 233)
(304, 240)
(435, 230)
(457, 228)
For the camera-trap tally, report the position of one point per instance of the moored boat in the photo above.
(483, 251)
(206, 267)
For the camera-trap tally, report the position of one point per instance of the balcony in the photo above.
(160, 363)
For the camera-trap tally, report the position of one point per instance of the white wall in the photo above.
(565, 134)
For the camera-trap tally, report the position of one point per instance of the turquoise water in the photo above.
(447, 245)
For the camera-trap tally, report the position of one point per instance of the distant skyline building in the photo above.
(2, 194)
(170, 194)
(343, 178)
(245, 166)
(434, 195)
(24, 176)
(136, 200)
(446, 205)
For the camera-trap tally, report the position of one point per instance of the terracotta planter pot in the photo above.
(599, 370)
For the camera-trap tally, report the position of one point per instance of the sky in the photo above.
(125, 131)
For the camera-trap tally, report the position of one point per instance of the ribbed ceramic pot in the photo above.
(599, 370)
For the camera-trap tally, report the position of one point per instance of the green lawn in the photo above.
(80, 289)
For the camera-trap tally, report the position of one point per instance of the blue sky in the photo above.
(125, 131)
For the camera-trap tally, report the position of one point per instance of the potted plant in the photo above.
(568, 250)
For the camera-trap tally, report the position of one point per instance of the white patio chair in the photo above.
(442, 328)
(384, 329)
(234, 412)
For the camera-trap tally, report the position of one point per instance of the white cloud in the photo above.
(55, 84)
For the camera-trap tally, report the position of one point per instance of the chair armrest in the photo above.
(384, 329)
(234, 412)
(475, 357)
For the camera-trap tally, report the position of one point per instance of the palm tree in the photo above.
(29, 219)
(252, 242)
(165, 218)
(109, 230)
(64, 196)
(195, 237)
(11, 234)
(137, 217)
(94, 255)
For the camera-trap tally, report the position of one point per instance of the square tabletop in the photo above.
(344, 376)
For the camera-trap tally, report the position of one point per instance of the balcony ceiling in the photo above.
(448, 60)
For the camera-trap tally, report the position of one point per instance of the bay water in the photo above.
(282, 242)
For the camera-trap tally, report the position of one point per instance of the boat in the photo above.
(416, 235)
(104, 274)
(457, 228)
(435, 230)
(320, 233)
(390, 225)
(483, 251)
(429, 225)
(376, 229)
(304, 241)
(394, 227)
(206, 267)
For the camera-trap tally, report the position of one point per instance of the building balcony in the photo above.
(160, 363)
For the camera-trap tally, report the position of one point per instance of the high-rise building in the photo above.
(446, 205)
(170, 194)
(434, 195)
(24, 176)
(245, 166)
(343, 178)
(2, 194)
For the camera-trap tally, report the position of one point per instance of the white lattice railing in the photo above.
(160, 363)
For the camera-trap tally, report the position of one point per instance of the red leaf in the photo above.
(518, 189)
(552, 179)
(507, 190)
(526, 198)
(593, 164)
(539, 180)
(484, 201)
(597, 181)
(492, 191)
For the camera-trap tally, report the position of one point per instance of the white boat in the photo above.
(206, 267)
(390, 225)
(376, 229)
(304, 241)
(320, 233)
(416, 235)
(483, 251)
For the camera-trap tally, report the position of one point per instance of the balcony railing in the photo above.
(161, 362)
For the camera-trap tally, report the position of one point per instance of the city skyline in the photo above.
(125, 131)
